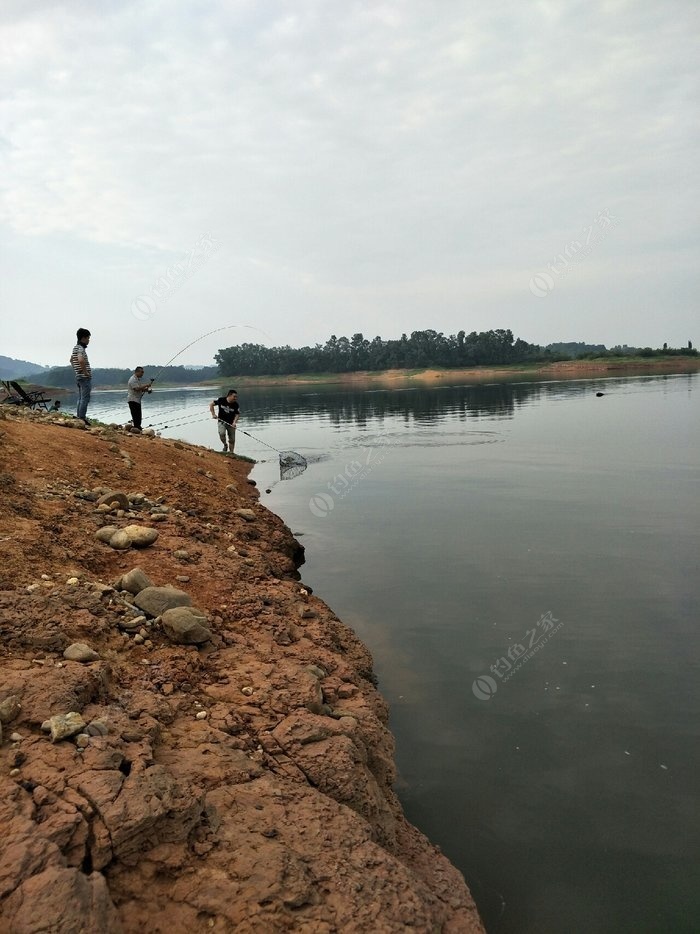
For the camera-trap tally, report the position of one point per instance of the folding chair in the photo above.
(35, 400)
(11, 397)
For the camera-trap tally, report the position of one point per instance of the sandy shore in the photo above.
(223, 768)
(572, 369)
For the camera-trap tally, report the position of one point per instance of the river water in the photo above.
(522, 561)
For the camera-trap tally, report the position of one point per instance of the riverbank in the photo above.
(569, 369)
(240, 782)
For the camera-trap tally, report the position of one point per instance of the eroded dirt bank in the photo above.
(240, 783)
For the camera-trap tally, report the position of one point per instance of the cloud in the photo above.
(354, 159)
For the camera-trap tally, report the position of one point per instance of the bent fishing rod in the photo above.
(226, 327)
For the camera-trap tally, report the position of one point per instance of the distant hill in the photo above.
(63, 377)
(19, 369)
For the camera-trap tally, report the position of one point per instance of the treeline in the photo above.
(626, 351)
(349, 354)
(580, 351)
(64, 377)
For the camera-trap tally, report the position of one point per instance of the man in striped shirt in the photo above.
(83, 374)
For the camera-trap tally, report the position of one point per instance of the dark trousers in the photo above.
(135, 408)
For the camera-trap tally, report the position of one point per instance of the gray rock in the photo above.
(246, 514)
(132, 624)
(120, 541)
(80, 652)
(135, 581)
(97, 728)
(9, 708)
(114, 498)
(105, 533)
(65, 725)
(181, 626)
(155, 600)
(141, 536)
(316, 671)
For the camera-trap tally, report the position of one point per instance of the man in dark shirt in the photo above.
(229, 412)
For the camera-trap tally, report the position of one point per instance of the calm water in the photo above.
(450, 526)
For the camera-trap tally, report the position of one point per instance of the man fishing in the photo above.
(229, 412)
(136, 389)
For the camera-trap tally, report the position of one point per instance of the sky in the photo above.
(277, 172)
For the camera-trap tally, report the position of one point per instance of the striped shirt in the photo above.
(80, 354)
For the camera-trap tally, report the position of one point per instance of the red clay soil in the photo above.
(243, 784)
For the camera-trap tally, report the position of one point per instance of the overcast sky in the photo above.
(307, 168)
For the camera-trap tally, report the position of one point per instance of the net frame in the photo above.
(292, 464)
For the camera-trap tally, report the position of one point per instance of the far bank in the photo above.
(567, 369)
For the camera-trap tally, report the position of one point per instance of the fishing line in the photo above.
(226, 327)
(291, 463)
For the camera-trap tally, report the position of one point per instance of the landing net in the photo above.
(291, 464)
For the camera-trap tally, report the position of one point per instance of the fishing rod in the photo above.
(226, 327)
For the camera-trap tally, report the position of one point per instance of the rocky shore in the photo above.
(191, 740)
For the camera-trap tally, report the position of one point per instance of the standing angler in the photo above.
(229, 412)
(83, 374)
(136, 388)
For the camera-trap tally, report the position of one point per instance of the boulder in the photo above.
(246, 514)
(141, 536)
(183, 627)
(80, 652)
(105, 533)
(65, 725)
(120, 541)
(9, 708)
(114, 498)
(155, 600)
(135, 581)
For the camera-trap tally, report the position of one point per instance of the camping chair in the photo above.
(11, 397)
(35, 400)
